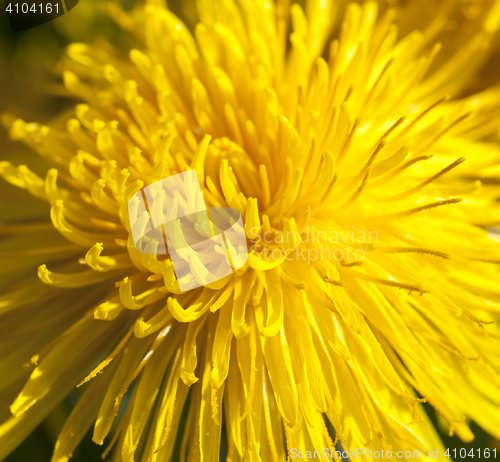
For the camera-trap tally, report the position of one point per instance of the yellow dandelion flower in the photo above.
(358, 142)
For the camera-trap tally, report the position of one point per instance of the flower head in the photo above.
(358, 145)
